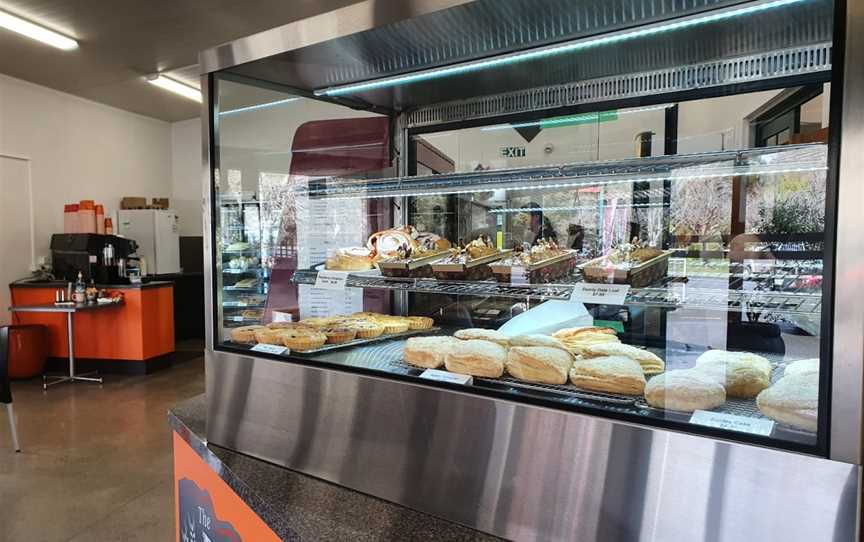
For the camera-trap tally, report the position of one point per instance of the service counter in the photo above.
(131, 339)
(224, 495)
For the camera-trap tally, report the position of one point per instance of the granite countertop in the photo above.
(54, 284)
(299, 507)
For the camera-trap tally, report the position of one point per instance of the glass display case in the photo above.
(619, 213)
(666, 288)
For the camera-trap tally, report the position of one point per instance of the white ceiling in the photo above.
(121, 41)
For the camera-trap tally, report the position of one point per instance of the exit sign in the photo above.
(512, 152)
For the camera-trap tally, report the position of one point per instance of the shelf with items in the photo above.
(670, 293)
(729, 164)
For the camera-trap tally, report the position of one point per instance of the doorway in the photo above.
(16, 226)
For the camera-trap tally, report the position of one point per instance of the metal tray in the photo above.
(358, 342)
(499, 267)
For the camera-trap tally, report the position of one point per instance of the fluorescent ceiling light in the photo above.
(259, 106)
(36, 32)
(175, 86)
(557, 49)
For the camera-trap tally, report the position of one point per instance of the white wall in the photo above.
(187, 189)
(80, 150)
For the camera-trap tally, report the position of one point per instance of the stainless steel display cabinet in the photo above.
(718, 136)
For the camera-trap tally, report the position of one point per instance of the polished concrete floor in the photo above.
(96, 461)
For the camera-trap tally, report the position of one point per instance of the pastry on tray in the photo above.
(339, 333)
(742, 374)
(629, 263)
(650, 362)
(540, 364)
(420, 322)
(483, 334)
(685, 390)
(406, 252)
(537, 340)
(350, 259)
(579, 338)
(477, 358)
(365, 329)
(468, 262)
(608, 374)
(793, 400)
(429, 352)
(245, 334)
(802, 366)
(545, 261)
(300, 339)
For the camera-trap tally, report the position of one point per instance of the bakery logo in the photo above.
(512, 152)
(198, 522)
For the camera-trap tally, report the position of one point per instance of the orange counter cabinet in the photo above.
(139, 330)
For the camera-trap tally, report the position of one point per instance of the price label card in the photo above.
(603, 294)
(331, 280)
(518, 275)
(444, 376)
(732, 422)
(270, 349)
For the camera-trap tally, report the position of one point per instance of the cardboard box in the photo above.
(133, 203)
(161, 203)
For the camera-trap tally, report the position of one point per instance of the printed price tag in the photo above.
(444, 376)
(331, 280)
(605, 294)
(731, 422)
(270, 349)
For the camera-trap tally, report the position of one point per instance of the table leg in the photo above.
(72, 377)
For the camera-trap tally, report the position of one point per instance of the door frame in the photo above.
(29, 167)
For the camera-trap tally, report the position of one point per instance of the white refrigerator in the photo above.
(155, 231)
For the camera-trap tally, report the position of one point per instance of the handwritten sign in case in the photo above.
(331, 280)
(732, 422)
(444, 376)
(604, 294)
(270, 349)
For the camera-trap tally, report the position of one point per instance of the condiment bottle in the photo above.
(80, 291)
(109, 226)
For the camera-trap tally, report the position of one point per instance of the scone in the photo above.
(742, 374)
(579, 338)
(420, 322)
(428, 352)
(610, 374)
(651, 364)
(482, 334)
(541, 364)
(537, 340)
(793, 400)
(802, 366)
(477, 358)
(685, 391)
(245, 334)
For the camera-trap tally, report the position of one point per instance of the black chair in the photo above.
(5, 388)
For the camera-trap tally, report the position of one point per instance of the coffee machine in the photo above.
(102, 258)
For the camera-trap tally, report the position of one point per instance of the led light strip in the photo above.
(580, 208)
(552, 50)
(259, 106)
(551, 123)
(562, 185)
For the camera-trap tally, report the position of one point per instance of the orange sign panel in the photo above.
(206, 509)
